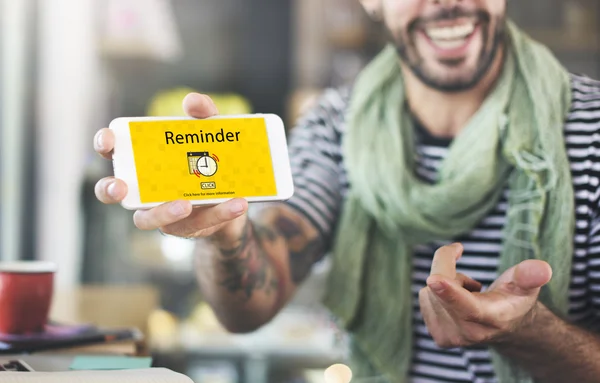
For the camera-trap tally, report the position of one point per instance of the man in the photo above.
(454, 186)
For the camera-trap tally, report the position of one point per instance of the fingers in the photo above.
(444, 260)
(162, 215)
(469, 283)
(104, 143)
(180, 219)
(206, 218)
(529, 276)
(110, 190)
(199, 106)
(455, 298)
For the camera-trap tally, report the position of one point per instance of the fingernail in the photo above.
(237, 208)
(177, 209)
(437, 287)
(112, 190)
(210, 102)
(99, 142)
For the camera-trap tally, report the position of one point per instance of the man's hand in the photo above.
(225, 222)
(458, 314)
(247, 269)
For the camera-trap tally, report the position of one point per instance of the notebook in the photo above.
(149, 375)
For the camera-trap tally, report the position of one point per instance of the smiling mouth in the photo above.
(451, 36)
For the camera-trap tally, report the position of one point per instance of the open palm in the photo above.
(458, 314)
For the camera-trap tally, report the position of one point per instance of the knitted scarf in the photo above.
(515, 139)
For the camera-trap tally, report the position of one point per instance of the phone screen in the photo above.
(202, 159)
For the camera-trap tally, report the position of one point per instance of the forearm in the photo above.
(248, 280)
(239, 280)
(552, 350)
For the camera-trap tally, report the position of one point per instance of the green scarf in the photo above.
(515, 139)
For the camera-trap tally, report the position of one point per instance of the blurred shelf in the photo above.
(248, 367)
(566, 42)
(298, 339)
(254, 349)
(349, 38)
(305, 359)
(296, 333)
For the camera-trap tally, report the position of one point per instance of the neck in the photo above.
(446, 114)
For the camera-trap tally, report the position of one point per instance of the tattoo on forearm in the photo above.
(246, 267)
(302, 251)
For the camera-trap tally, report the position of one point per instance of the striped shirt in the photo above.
(321, 184)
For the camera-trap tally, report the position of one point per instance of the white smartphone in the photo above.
(205, 161)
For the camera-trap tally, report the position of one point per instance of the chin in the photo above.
(450, 83)
(458, 73)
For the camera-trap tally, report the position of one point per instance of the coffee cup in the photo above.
(25, 296)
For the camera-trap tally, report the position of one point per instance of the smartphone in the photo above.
(205, 161)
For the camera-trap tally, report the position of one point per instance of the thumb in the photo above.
(199, 106)
(529, 276)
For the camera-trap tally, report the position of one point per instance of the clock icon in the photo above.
(207, 166)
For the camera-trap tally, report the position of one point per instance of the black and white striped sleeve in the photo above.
(585, 127)
(315, 156)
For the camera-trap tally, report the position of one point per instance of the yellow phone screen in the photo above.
(202, 159)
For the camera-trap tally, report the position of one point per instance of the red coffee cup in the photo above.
(25, 296)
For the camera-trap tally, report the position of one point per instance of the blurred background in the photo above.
(67, 68)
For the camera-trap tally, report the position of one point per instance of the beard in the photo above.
(409, 54)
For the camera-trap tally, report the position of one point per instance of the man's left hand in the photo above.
(458, 314)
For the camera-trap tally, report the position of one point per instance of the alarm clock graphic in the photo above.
(203, 164)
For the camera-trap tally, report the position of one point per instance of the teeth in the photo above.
(449, 44)
(450, 33)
